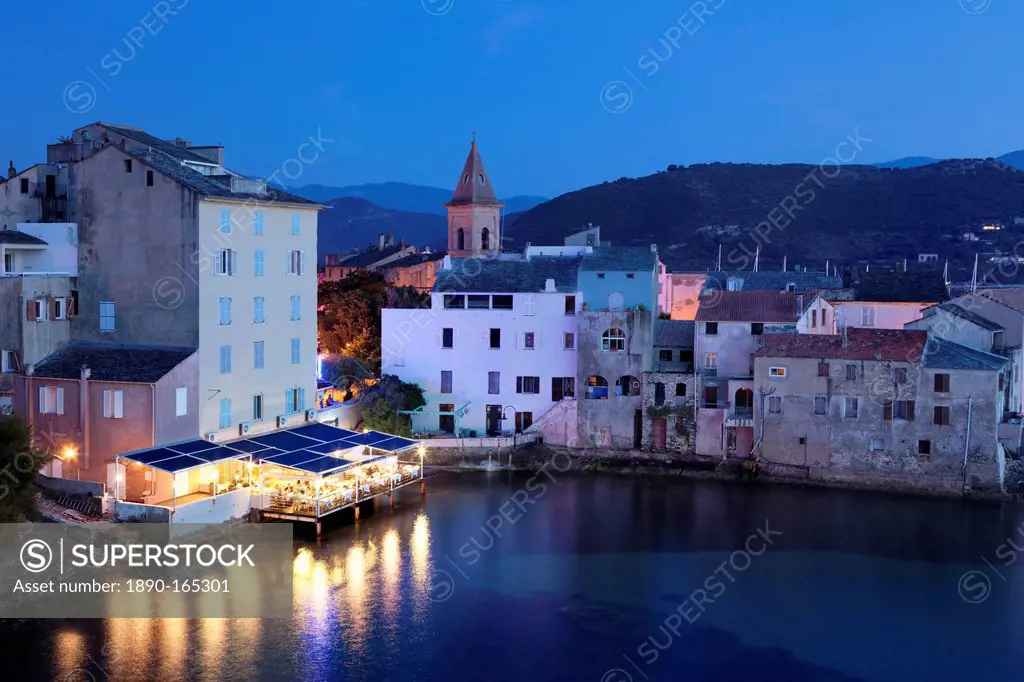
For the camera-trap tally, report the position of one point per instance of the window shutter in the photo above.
(52, 304)
(234, 262)
(60, 401)
(118, 404)
(106, 404)
(288, 401)
(69, 307)
(302, 262)
(887, 411)
(302, 399)
(42, 398)
(30, 311)
(519, 384)
(910, 410)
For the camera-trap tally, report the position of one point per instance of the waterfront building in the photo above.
(889, 407)
(729, 327)
(669, 399)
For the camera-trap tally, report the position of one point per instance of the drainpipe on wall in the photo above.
(967, 444)
(83, 416)
(29, 371)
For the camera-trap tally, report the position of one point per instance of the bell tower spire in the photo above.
(474, 211)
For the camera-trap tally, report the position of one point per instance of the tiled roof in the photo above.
(21, 238)
(891, 345)
(109, 362)
(942, 354)
(1011, 297)
(372, 256)
(173, 168)
(620, 259)
(673, 333)
(763, 280)
(487, 275)
(970, 316)
(920, 286)
(165, 146)
(415, 259)
(752, 306)
(474, 182)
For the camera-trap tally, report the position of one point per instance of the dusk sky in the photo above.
(400, 85)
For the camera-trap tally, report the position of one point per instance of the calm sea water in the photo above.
(594, 578)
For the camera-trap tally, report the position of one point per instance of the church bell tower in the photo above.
(474, 212)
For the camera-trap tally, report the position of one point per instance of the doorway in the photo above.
(446, 422)
(660, 432)
(638, 429)
(494, 420)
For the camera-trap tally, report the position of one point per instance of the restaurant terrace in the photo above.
(299, 474)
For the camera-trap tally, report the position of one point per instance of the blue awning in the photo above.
(309, 448)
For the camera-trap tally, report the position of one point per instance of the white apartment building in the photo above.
(499, 340)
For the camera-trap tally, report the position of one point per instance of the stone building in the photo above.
(889, 407)
(669, 399)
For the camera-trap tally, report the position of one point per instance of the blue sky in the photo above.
(400, 85)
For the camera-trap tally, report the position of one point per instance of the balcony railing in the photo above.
(741, 412)
(715, 404)
(710, 371)
(683, 367)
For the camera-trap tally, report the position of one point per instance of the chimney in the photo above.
(391, 239)
(380, 241)
(799, 304)
(85, 372)
(10, 170)
(549, 285)
(654, 248)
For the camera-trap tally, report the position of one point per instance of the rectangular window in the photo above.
(225, 359)
(524, 420)
(502, 303)
(814, 319)
(850, 408)
(570, 305)
(180, 402)
(225, 413)
(257, 222)
(562, 387)
(941, 415)
(257, 310)
(294, 400)
(824, 316)
(225, 220)
(446, 422)
(600, 275)
(901, 409)
(775, 404)
(448, 338)
(942, 383)
(630, 275)
(295, 351)
(924, 447)
(226, 262)
(24, 185)
(777, 372)
(149, 178)
(527, 384)
(659, 394)
(107, 323)
(665, 355)
(680, 389)
(494, 383)
(877, 445)
(258, 354)
(711, 328)
(711, 361)
(568, 340)
(867, 316)
(820, 404)
(295, 261)
(446, 381)
(479, 301)
(851, 372)
(899, 375)
(296, 308)
(60, 309)
(113, 404)
(296, 224)
(528, 340)
(258, 263)
(257, 407)
(8, 361)
(494, 338)
(225, 311)
(51, 400)
(822, 369)
(127, 165)
(756, 328)
(452, 301)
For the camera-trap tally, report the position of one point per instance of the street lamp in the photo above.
(69, 456)
(514, 412)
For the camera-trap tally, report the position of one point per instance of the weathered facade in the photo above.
(669, 412)
(878, 406)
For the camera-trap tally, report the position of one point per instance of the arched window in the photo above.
(615, 301)
(744, 402)
(597, 388)
(485, 239)
(613, 340)
(461, 239)
(627, 385)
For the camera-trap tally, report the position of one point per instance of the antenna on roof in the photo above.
(757, 256)
(974, 276)
(826, 268)
(718, 267)
(846, 339)
(904, 265)
(945, 272)
(784, 263)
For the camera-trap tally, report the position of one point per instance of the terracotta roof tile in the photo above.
(891, 345)
(752, 306)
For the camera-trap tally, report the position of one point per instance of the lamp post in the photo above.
(514, 412)
(69, 456)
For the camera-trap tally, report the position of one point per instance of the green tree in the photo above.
(19, 464)
(382, 401)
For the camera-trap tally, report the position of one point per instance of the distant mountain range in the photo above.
(402, 196)
(350, 223)
(1015, 159)
(863, 213)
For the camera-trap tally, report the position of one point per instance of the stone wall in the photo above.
(676, 410)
